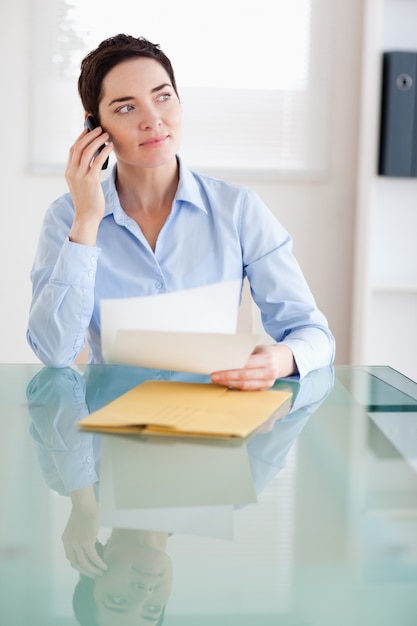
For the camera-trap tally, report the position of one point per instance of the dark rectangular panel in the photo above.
(398, 130)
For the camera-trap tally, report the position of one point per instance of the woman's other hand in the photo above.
(264, 366)
(80, 534)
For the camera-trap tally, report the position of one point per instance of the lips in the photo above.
(155, 141)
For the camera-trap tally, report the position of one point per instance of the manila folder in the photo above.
(157, 407)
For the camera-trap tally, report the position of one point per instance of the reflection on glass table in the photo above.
(311, 521)
(149, 488)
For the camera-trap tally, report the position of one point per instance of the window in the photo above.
(253, 78)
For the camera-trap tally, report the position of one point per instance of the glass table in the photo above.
(311, 521)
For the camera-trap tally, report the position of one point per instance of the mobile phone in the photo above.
(91, 123)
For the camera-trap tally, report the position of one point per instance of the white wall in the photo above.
(385, 329)
(320, 215)
(23, 198)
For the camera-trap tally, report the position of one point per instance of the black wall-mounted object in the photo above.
(398, 129)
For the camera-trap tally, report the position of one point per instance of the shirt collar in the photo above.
(188, 191)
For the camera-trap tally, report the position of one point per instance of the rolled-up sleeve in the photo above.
(288, 309)
(63, 278)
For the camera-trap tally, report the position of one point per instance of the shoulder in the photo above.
(214, 192)
(219, 186)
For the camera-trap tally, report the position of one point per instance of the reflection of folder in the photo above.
(168, 408)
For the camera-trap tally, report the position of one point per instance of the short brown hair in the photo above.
(112, 51)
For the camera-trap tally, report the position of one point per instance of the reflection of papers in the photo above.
(193, 330)
(173, 487)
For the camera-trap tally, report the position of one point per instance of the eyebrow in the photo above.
(127, 98)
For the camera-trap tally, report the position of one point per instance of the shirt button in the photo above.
(158, 285)
(89, 459)
(91, 273)
(93, 260)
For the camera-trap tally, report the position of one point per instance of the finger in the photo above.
(87, 146)
(95, 558)
(100, 158)
(256, 359)
(89, 572)
(81, 142)
(243, 379)
(258, 366)
(250, 385)
(93, 152)
(85, 565)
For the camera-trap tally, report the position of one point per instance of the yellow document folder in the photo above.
(169, 408)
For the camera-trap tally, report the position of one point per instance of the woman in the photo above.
(153, 226)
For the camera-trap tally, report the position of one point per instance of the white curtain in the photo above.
(253, 78)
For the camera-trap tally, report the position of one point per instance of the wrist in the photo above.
(286, 364)
(84, 233)
(84, 498)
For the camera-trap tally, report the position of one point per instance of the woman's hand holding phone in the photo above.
(85, 161)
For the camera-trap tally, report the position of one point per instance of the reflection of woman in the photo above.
(153, 226)
(129, 579)
(134, 588)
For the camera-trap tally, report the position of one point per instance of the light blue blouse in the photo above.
(216, 231)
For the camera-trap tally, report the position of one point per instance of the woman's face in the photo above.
(135, 588)
(141, 112)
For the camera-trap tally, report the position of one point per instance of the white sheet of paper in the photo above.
(201, 353)
(193, 330)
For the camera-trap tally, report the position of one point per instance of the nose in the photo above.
(146, 585)
(150, 118)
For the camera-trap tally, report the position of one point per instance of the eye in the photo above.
(124, 109)
(163, 97)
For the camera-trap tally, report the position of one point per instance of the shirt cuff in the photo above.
(312, 348)
(76, 264)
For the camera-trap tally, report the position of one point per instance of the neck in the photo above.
(147, 190)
